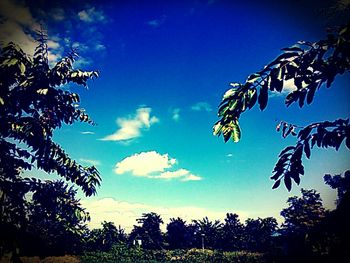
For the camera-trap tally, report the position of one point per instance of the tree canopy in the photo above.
(310, 66)
(303, 213)
(34, 102)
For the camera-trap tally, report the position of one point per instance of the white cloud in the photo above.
(144, 163)
(91, 15)
(57, 14)
(183, 174)
(12, 31)
(52, 44)
(201, 106)
(173, 174)
(125, 213)
(154, 165)
(156, 22)
(131, 126)
(100, 47)
(53, 57)
(191, 177)
(90, 162)
(176, 114)
(18, 13)
(80, 46)
(87, 132)
(17, 25)
(288, 87)
(82, 61)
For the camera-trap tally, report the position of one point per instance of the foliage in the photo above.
(149, 231)
(211, 232)
(177, 234)
(303, 212)
(339, 182)
(322, 134)
(258, 233)
(105, 238)
(310, 66)
(122, 253)
(59, 221)
(312, 235)
(233, 233)
(33, 104)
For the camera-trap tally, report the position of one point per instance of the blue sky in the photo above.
(164, 68)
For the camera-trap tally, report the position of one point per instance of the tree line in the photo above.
(308, 228)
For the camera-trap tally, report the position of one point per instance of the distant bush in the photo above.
(122, 253)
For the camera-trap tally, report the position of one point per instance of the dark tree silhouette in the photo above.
(258, 233)
(105, 238)
(339, 182)
(149, 231)
(33, 104)
(210, 231)
(56, 218)
(233, 233)
(303, 212)
(310, 66)
(177, 234)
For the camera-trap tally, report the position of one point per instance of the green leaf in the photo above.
(291, 97)
(22, 68)
(226, 135)
(307, 149)
(12, 61)
(251, 98)
(288, 181)
(302, 98)
(276, 184)
(229, 93)
(287, 149)
(236, 132)
(254, 77)
(263, 96)
(311, 93)
(217, 128)
(296, 178)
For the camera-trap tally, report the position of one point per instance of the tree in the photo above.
(149, 231)
(310, 66)
(210, 231)
(330, 239)
(303, 213)
(233, 233)
(339, 182)
(177, 234)
(258, 233)
(56, 217)
(33, 104)
(105, 238)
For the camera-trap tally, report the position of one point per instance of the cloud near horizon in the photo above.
(202, 106)
(131, 126)
(154, 165)
(125, 213)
